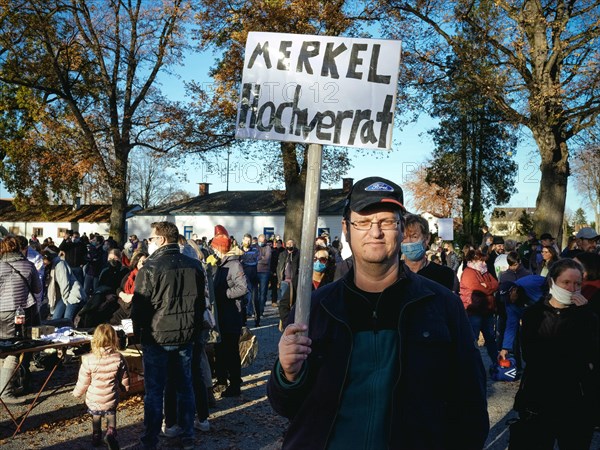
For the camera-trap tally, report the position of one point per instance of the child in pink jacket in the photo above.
(102, 375)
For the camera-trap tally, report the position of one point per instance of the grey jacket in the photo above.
(17, 290)
(63, 284)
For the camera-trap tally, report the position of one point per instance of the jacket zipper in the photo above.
(374, 316)
(399, 366)
(345, 373)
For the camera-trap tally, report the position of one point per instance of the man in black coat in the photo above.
(167, 308)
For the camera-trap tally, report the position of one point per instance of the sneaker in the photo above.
(202, 426)
(170, 432)
(97, 439)
(110, 439)
(231, 392)
(219, 387)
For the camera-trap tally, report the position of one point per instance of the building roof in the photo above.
(509, 214)
(246, 203)
(58, 213)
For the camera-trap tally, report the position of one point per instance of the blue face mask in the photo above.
(413, 251)
(318, 266)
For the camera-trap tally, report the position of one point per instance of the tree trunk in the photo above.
(119, 194)
(550, 203)
(295, 182)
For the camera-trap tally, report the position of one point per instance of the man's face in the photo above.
(374, 246)
(113, 257)
(413, 234)
(499, 248)
(587, 245)
(158, 240)
(546, 242)
(289, 245)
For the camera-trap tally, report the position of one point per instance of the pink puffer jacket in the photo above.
(101, 378)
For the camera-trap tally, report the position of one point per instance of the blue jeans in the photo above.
(252, 295)
(263, 288)
(485, 325)
(157, 359)
(67, 311)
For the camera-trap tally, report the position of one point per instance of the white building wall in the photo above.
(26, 228)
(236, 225)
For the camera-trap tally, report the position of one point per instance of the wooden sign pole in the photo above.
(309, 231)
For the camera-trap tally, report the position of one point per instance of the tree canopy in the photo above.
(91, 67)
(542, 60)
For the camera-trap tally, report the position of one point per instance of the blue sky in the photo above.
(413, 147)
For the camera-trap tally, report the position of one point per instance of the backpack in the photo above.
(504, 369)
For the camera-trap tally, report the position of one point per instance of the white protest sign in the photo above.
(446, 229)
(319, 89)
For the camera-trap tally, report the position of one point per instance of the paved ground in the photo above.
(247, 423)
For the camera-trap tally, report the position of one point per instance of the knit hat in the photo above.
(221, 241)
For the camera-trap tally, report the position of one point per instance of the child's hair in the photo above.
(104, 336)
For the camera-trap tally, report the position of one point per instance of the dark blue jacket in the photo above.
(439, 400)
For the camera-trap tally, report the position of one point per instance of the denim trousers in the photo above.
(66, 311)
(263, 288)
(252, 295)
(200, 394)
(157, 360)
(485, 325)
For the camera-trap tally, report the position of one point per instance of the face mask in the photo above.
(261, 244)
(152, 247)
(318, 266)
(480, 266)
(105, 247)
(76, 240)
(181, 247)
(290, 249)
(561, 295)
(114, 263)
(413, 251)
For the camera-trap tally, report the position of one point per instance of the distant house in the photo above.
(57, 219)
(505, 221)
(240, 212)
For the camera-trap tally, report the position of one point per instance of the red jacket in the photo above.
(473, 280)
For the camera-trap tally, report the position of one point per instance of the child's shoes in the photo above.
(97, 438)
(111, 439)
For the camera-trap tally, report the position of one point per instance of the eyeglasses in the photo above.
(385, 224)
(322, 259)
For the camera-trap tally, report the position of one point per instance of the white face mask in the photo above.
(152, 247)
(561, 295)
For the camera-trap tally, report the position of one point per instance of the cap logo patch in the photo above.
(379, 187)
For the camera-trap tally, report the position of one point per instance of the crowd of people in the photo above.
(401, 293)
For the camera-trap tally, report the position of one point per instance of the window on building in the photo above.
(61, 233)
(39, 232)
(268, 232)
(187, 231)
(14, 230)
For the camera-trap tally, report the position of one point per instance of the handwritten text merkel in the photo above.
(312, 49)
(297, 121)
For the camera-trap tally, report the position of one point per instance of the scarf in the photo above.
(130, 282)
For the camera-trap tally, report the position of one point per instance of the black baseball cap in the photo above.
(373, 190)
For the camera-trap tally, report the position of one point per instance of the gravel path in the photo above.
(247, 423)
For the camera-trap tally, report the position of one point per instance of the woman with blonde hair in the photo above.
(103, 374)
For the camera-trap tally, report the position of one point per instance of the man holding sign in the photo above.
(389, 360)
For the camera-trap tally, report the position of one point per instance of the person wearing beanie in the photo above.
(230, 289)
